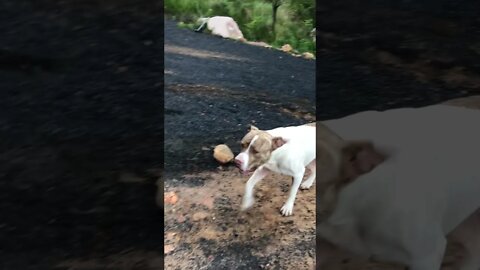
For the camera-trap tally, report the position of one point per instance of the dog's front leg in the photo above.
(258, 175)
(287, 208)
(309, 181)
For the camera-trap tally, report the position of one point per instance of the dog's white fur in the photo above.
(290, 159)
(429, 188)
(223, 26)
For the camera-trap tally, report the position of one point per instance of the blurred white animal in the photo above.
(222, 26)
(427, 188)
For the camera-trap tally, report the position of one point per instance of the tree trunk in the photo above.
(275, 6)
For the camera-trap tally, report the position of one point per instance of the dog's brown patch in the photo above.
(260, 150)
(339, 163)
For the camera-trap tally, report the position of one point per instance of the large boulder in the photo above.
(223, 26)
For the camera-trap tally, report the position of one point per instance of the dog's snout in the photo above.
(238, 161)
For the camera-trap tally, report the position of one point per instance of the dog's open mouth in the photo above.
(246, 172)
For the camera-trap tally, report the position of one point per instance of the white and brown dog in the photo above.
(402, 207)
(285, 150)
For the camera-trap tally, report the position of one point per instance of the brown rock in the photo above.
(222, 153)
(287, 48)
(170, 197)
(208, 202)
(199, 216)
(168, 249)
(170, 236)
(308, 55)
(181, 218)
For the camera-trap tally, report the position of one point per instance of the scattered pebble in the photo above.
(308, 55)
(199, 216)
(168, 248)
(170, 198)
(287, 48)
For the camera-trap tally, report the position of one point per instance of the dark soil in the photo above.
(81, 132)
(377, 55)
(215, 88)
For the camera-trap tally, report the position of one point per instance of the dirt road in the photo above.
(215, 88)
(82, 138)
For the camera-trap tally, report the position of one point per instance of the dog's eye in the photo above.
(254, 151)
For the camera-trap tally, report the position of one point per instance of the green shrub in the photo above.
(295, 19)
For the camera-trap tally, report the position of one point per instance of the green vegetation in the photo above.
(276, 22)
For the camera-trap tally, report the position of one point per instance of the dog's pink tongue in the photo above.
(245, 173)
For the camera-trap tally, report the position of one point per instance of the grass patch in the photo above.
(294, 21)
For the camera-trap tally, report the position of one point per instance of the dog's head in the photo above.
(257, 147)
(339, 163)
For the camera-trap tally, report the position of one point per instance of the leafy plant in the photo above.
(273, 21)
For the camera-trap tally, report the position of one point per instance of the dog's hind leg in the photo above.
(468, 234)
(431, 257)
(287, 208)
(309, 181)
(258, 175)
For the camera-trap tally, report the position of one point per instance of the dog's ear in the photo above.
(360, 157)
(277, 142)
(252, 128)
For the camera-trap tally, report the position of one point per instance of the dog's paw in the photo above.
(247, 203)
(287, 209)
(306, 185)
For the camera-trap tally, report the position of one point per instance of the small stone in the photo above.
(199, 216)
(208, 202)
(181, 218)
(168, 249)
(308, 55)
(170, 197)
(287, 48)
(170, 236)
(222, 153)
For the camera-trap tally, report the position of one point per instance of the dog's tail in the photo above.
(204, 22)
